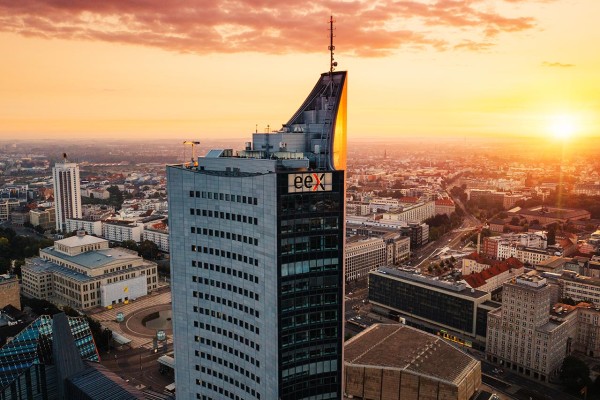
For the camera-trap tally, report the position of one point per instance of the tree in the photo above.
(148, 250)
(115, 197)
(130, 244)
(575, 374)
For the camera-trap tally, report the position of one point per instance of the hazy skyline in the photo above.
(129, 69)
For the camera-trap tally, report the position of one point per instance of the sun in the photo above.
(563, 127)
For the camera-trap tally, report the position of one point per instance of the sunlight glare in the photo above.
(563, 127)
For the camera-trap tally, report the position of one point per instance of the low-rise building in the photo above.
(444, 206)
(395, 362)
(121, 230)
(436, 305)
(44, 217)
(418, 212)
(490, 275)
(82, 272)
(78, 224)
(159, 237)
(363, 255)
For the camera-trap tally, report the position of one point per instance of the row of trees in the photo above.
(147, 249)
(441, 224)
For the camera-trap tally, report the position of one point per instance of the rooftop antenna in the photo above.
(332, 62)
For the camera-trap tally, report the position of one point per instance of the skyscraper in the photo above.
(257, 241)
(67, 192)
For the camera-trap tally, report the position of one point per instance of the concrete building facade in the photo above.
(523, 335)
(67, 192)
(82, 272)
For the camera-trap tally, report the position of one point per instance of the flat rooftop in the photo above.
(402, 347)
(96, 258)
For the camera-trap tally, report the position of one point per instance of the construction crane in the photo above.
(192, 143)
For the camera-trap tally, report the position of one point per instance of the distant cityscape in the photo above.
(435, 242)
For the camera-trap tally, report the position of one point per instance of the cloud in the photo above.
(557, 64)
(364, 27)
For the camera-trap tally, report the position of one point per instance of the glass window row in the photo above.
(226, 286)
(225, 254)
(224, 197)
(229, 303)
(224, 235)
(227, 318)
(224, 215)
(226, 270)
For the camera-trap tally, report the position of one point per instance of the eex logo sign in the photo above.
(312, 182)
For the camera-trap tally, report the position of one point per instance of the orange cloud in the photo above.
(231, 26)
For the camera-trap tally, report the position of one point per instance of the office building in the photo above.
(257, 244)
(67, 192)
(362, 256)
(446, 307)
(396, 362)
(523, 335)
(82, 272)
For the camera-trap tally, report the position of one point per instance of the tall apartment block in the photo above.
(257, 246)
(523, 335)
(67, 192)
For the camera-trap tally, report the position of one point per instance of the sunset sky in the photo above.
(214, 69)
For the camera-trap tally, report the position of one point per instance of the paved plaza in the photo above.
(133, 327)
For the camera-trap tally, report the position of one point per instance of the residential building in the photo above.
(432, 304)
(257, 246)
(44, 217)
(395, 362)
(444, 206)
(67, 192)
(416, 212)
(363, 255)
(78, 224)
(82, 272)
(122, 230)
(489, 275)
(9, 291)
(159, 237)
(579, 288)
(6, 208)
(523, 335)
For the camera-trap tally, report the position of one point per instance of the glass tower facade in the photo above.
(257, 241)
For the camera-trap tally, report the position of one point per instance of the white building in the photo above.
(121, 230)
(67, 193)
(91, 227)
(159, 237)
(82, 272)
(362, 256)
(418, 212)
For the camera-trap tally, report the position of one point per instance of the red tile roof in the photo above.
(476, 280)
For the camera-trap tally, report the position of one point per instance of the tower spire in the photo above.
(332, 63)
